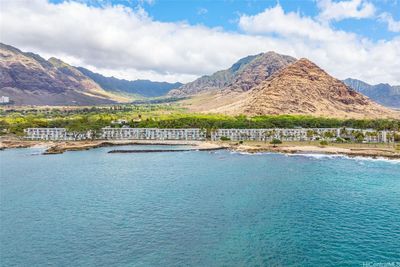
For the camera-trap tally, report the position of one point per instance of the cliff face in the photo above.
(30, 79)
(258, 70)
(241, 76)
(382, 93)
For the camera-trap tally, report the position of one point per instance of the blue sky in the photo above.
(225, 13)
(179, 40)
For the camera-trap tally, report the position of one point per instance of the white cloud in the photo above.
(276, 21)
(340, 53)
(127, 43)
(393, 25)
(149, 2)
(357, 9)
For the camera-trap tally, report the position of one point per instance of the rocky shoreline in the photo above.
(86, 145)
(61, 147)
(329, 150)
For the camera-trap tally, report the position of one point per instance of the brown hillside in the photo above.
(300, 88)
(29, 79)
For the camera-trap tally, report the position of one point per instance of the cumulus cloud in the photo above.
(128, 43)
(292, 24)
(341, 53)
(393, 25)
(337, 11)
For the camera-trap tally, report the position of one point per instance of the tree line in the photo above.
(84, 122)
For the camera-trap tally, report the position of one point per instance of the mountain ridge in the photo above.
(244, 74)
(27, 78)
(382, 93)
(144, 88)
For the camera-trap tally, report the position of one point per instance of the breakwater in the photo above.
(162, 150)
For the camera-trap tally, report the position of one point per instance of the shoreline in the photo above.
(59, 147)
(326, 150)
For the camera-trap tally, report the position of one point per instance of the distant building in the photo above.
(120, 122)
(4, 100)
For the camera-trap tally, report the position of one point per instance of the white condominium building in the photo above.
(45, 133)
(4, 100)
(153, 133)
(54, 134)
(295, 134)
(299, 134)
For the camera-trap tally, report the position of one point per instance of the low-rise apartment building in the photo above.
(54, 134)
(46, 133)
(153, 133)
(301, 134)
(4, 99)
(295, 134)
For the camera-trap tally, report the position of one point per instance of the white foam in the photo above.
(356, 158)
(320, 156)
(252, 154)
(392, 161)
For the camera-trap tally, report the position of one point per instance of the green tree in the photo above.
(275, 142)
(323, 143)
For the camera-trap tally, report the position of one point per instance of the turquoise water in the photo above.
(91, 208)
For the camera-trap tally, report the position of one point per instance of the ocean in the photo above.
(221, 208)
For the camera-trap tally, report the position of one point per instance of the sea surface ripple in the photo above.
(91, 208)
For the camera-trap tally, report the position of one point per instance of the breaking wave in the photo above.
(321, 156)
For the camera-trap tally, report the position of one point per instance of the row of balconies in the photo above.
(197, 134)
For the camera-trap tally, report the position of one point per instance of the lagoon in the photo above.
(196, 208)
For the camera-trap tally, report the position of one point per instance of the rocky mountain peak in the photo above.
(258, 70)
(241, 76)
(305, 88)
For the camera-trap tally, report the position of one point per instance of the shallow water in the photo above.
(197, 208)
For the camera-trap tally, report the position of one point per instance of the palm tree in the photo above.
(310, 134)
(267, 134)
